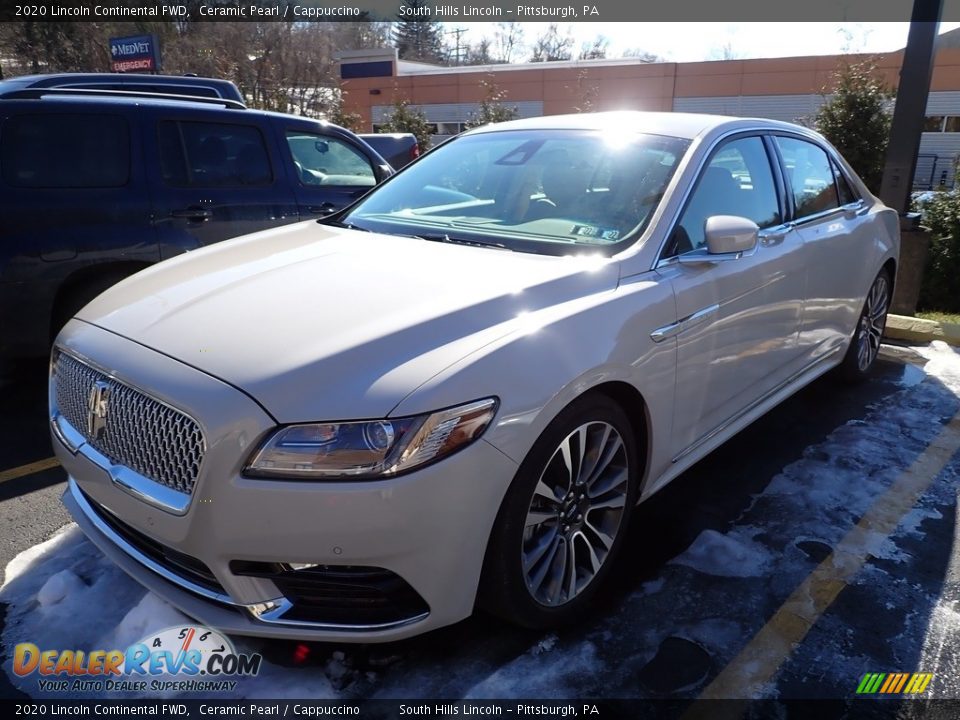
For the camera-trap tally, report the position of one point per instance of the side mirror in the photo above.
(730, 234)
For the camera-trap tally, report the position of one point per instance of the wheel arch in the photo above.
(86, 275)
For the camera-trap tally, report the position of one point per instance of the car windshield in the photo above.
(543, 191)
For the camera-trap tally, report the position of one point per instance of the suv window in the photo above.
(811, 176)
(65, 151)
(738, 181)
(324, 160)
(201, 154)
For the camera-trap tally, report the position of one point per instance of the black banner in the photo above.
(464, 12)
(466, 709)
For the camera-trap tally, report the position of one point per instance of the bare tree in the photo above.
(478, 53)
(508, 41)
(595, 49)
(726, 52)
(642, 55)
(552, 46)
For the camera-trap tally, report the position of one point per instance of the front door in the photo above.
(216, 180)
(737, 320)
(331, 172)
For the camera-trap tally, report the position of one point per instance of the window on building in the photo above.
(933, 123)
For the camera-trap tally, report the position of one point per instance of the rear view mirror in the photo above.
(321, 146)
(728, 234)
(727, 237)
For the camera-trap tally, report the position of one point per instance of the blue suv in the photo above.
(97, 184)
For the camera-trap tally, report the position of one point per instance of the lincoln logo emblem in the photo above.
(97, 409)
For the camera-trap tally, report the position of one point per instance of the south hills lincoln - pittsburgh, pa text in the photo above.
(520, 11)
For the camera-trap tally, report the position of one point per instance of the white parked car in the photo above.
(458, 390)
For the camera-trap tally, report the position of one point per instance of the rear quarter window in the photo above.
(65, 151)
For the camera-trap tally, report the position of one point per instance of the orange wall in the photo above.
(634, 86)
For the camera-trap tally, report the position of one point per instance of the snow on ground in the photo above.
(695, 612)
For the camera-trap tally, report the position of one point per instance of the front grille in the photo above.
(177, 563)
(339, 594)
(140, 433)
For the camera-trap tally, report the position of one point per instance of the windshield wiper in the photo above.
(445, 238)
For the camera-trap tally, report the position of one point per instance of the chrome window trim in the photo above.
(755, 131)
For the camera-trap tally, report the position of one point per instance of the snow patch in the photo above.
(730, 555)
(58, 587)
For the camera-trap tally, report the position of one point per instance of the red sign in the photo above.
(128, 65)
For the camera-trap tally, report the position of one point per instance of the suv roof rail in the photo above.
(30, 93)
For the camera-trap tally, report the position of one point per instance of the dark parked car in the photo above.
(132, 82)
(399, 149)
(97, 187)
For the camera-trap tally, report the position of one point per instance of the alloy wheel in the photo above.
(575, 513)
(872, 322)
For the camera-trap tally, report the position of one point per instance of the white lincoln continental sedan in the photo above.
(454, 393)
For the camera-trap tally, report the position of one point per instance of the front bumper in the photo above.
(429, 528)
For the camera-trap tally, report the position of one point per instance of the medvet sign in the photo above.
(136, 53)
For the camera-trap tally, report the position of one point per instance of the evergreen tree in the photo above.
(492, 109)
(416, 36)
(856, 119)
(405, 119)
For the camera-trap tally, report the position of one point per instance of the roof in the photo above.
(685, 125)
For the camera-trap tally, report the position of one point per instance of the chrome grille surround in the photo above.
(141, 437)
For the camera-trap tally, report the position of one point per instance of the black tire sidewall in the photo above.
(503, 588)
(850, 366)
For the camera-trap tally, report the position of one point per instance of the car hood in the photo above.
(322, 323)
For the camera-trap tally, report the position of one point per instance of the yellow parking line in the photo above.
(757, 664)
(28, 469)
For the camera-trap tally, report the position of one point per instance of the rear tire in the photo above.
(865, 344)
(563, 520)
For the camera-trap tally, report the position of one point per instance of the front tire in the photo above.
(562, 522)
(865, 345)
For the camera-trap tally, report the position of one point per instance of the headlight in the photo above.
(370, 449)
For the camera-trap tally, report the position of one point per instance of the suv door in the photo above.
(75, 205)
(330, 172)
(216, 179)
(737, 324)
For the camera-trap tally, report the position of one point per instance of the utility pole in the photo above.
(911, 109)
(458, 32)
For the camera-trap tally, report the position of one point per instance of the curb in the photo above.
(912, 329)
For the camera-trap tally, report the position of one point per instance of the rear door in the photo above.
(216, 178)
(329, 172)
(73, 195)
(837, 238)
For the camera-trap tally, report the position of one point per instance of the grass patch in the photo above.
(940, 317)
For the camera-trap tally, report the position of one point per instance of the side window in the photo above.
(737, 181)
(324, 160)
(198, 154)
(65, 151)
(811, 176)
(846, 193)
